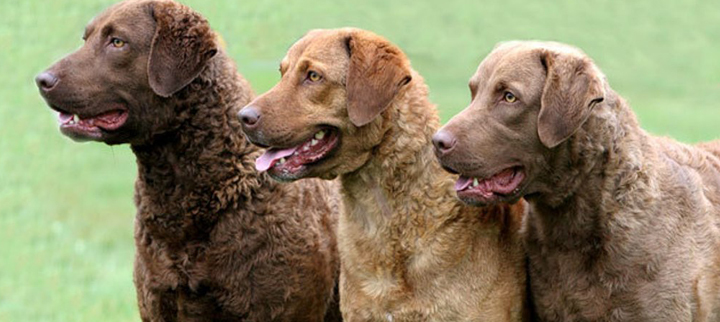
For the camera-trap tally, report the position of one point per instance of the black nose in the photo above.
(249, 116)
(46, 81)
(444, 142)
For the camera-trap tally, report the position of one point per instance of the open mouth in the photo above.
(91, 127)
(502, 185)
(290, 162)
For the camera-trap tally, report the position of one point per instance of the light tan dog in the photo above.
(349, 105)
(623, 226)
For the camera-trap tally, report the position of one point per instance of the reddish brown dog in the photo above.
(349, 105)
(623, 226)
(216, 241)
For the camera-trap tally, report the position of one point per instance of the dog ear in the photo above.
(182, 45)
(572, 88)
(377, 72)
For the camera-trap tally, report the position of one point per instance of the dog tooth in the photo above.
(305, 148)
(281, 161)
(475, 182)
(320, 135)
(76, 118)
(313, 142)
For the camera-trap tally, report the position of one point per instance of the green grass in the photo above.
(66, 210)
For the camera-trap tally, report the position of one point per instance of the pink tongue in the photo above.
(268, 158)
(462, 183)
(64, 118)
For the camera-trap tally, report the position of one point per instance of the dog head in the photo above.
(136, 54)
(324, 117)
(527, 98)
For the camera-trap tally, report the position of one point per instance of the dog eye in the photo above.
(117, 42)
(313, 76)
(509, 97)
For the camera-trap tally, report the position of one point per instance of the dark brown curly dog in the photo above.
(215, 240)
(623, 225)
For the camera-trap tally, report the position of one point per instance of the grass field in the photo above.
(66, 209)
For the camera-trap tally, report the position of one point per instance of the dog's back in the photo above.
(690, 176)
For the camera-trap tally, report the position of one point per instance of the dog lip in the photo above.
(85, 127)
(504, 184)
(449, 169)
(289, 142)
(311, 151)
(264, 146)
(84, 114)
(58, 109)
(477, 200)
(481, 173)
(81, 132)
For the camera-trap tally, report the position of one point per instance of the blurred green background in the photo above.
(66, 209)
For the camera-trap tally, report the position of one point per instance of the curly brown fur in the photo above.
(623, 226)
(712, 147)
(410, 251)
(215, 240)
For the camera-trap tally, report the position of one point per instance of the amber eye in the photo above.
(313, 76)
(117, 42)
(510, 97)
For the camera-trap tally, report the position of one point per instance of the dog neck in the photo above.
(599, 164)
(402, 224)
(403, 161)
(204, 162)
(402, 184)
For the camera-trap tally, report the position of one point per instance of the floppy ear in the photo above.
(377, 72)
(182, 45)
(572, 87)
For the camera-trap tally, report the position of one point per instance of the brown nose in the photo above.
(249, 116)
(46, 81)
(444, 142)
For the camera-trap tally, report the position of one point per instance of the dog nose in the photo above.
(443, 141)
(46, 81)
(249, 116)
